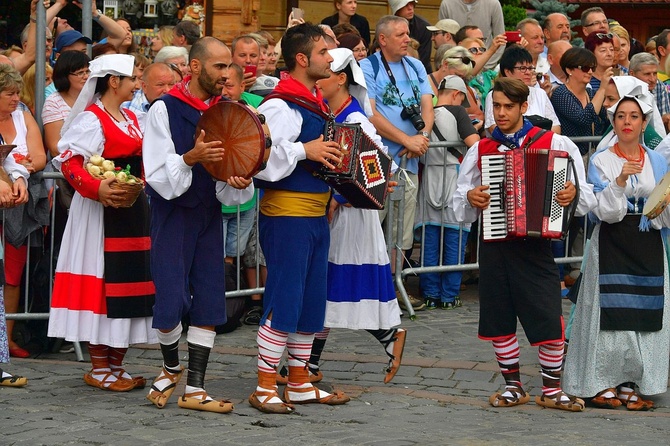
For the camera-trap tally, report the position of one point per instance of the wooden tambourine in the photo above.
(658, 199)
(245, 137)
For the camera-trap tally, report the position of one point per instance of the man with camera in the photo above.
(402, 107)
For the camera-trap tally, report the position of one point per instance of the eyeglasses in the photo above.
(525, 68)
(465, 60)
(585, 68)
(81, 74)
(360, 50)
(603, 36)
(599, 23)
(441, 33)
(477, 50)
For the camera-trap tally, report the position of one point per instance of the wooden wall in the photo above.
(273, 13)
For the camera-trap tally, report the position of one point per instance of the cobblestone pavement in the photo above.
(439, 397)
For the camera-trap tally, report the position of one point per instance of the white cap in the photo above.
(453, 82)
(448, 25)
(397, 5)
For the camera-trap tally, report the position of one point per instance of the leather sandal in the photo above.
(140, 382)
(160, 398)
(518, 397)
(626, 397)
(120, 385)
(607, 402)
(334, 399)
(266, 407)
(13, 381)
(573, 404)
(198, 401)
(282, 376)
(398, 340)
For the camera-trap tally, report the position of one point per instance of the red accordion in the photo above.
(522, 184)
(363, 174)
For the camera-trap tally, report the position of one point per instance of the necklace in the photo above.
(343, 106)
(620, 154)
(132, 132)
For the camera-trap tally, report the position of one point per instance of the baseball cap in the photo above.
(67, 38)
(454, 82)
(448, 25)
(397, 5)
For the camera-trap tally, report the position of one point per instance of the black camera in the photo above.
(413, 113)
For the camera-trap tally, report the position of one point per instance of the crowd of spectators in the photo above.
(412, 101)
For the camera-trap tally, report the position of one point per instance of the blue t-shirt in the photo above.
(412, 83)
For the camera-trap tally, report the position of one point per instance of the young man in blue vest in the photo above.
(294, 232)
(518, 277)
(186, 237)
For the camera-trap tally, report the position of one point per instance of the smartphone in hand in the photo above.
(513, 36)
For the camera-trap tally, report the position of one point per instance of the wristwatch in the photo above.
(425, 134)
(97, 17)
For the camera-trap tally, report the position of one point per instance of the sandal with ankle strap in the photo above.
(334, 399)
(140, 382)
(572, 404)
(120, 385)
(161, 397)
(314, 377)
(395, 358)
(518, 397)
(198, 401)
(608, 402)
(626, 397)
(282, 408)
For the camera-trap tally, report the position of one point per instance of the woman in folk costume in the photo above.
(103, 292)
(361, 295)
(620, 86)
(620, 336)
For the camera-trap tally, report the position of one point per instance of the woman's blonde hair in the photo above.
(165, 34)
(454, 59)
(28, 89)
(620, 31)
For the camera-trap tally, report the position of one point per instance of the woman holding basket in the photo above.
(103, 291)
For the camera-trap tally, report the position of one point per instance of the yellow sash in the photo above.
(287, 203)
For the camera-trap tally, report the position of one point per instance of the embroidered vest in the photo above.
(488, 146)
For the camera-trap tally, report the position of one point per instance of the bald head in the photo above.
(556, 49)
(556, 27)
(157, 79)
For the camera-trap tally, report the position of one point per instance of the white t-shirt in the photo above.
(55, 109)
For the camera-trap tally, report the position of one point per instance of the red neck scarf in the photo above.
(292, 87)
(181, 92)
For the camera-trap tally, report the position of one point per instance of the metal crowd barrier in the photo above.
(400, 273)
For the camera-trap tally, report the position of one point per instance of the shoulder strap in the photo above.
(375, 65)
(298, 101)
(416, 70)
(452, 150)
(534, 138)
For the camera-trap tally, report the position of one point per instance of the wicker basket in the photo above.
(133, 190)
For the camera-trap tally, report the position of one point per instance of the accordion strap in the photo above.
(528, 141)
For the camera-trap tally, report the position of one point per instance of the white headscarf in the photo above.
(115, 64)
(630, 87)
(357, 87)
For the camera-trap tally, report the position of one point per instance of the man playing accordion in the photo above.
(518, 276)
